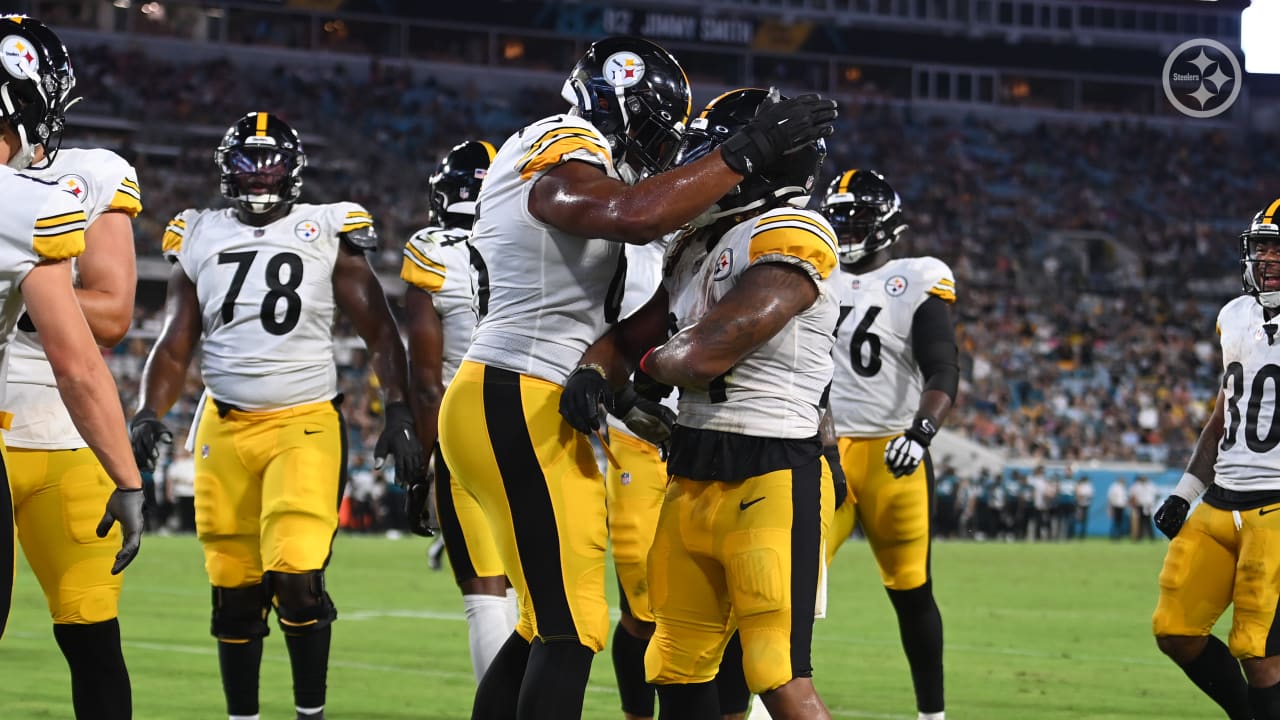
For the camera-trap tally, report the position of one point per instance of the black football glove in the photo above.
(399, 440)
(417, 503)
(905, 452)
(651, 421)
(648, 388)
(838, 481)
(776, 130)
(1171, 515)
(146, 432)
(126, 507)
(584, 392)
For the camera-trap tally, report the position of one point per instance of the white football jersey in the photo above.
(38, 221)
(877, 383)
(438, 261)
(1248, 454)
(775, 390)
(103, 182)
(266, 298)
(550, 293)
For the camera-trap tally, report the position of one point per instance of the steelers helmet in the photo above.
(637, 96)
(260, 161)
(455, 185)
(1255, 272)
(865, 212)
(788, 180)
(35, 87)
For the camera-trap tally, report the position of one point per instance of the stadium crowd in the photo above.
(1038, 223)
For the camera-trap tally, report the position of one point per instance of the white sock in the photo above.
(488, 626)
(242, 717)
(309, 711)
(758, 710)
(513, 608)
(932, 716)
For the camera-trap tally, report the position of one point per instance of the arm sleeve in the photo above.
(356, 227)
(933, 341)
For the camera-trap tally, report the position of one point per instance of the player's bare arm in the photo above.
(1205, 454)
(579, 198)
(165, 372)
(360, 297)
(766, 298)
(426, 350)
(108, 277)
(619, 351)
(86, 386)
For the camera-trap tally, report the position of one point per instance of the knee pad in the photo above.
(302, 604)
(240, 613)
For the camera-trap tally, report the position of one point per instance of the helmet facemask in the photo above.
(257, 178)
(865, 212)
(1260, 263)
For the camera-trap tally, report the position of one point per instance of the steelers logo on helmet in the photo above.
(895, 285)
(623, 69)
(18, 57)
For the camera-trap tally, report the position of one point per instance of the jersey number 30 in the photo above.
(1234, 378)
(278, 289)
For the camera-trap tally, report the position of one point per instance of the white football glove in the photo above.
(903, 454)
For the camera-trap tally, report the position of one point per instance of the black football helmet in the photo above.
(865, 212)
(260, 160)
(455, 185)
(1254, 271)
(637, 96)
(790, 179)
(35, 87)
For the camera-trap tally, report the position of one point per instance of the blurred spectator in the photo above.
(1118, 501)
(1084, 501)
(1142, 496)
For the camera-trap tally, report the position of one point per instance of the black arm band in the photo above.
(933, 341)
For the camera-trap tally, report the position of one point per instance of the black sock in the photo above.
(555, 681)
(731, 681)
(99, 679)
(628, 667)
(689, 702)
(499, 690)
(1265, 702)
(240, 661)
(1218, 675)
(309, 658)
(920, 626)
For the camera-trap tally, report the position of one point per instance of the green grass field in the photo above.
(1034, 632)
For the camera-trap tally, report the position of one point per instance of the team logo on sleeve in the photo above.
(724, 265)
(307, 230)
(20, 61)
(75, 185)
(623, 69)
(895, 285)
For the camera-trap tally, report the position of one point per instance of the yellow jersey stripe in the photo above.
(554, 154)
(171, 242)
(766, 223)
(549, 137)
(59, 229)
(1269, 216)
(357, 215)
(947, 295)
(130, 183)
(945, 282)
(262, 125)
(178, 223)
(422, 278)
(55, 220)
(412, 252)
(125, 189)
(61, 246)
(793, 243)
(125, 203)
(845, 180)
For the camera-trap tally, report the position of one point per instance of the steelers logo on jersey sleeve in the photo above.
(75, 185)
(724, 265)
(895, 285)
(307, 230)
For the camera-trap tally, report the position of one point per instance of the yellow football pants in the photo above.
(635, 492)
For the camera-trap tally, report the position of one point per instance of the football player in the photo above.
(260, 281)
(51, 475)
(896, 374)
(42, 227)
(1224, 552)
(561, 198)
(439, 306)
(749, 298)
